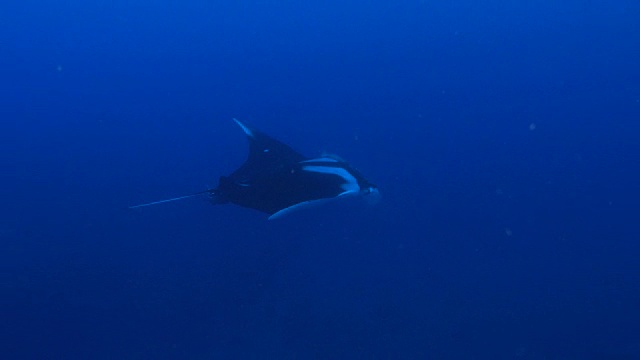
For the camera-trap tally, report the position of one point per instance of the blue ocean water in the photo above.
(503, 136)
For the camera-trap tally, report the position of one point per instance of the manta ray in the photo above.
(276, 180)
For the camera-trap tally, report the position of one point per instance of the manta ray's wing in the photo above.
(267, 156)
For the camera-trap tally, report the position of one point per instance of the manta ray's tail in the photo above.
(210, 191)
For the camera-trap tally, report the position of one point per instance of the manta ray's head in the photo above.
(371, 194)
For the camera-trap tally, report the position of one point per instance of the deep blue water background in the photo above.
(503, 135)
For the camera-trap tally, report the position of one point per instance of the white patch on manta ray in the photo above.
(350, 183)
(322, 159)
